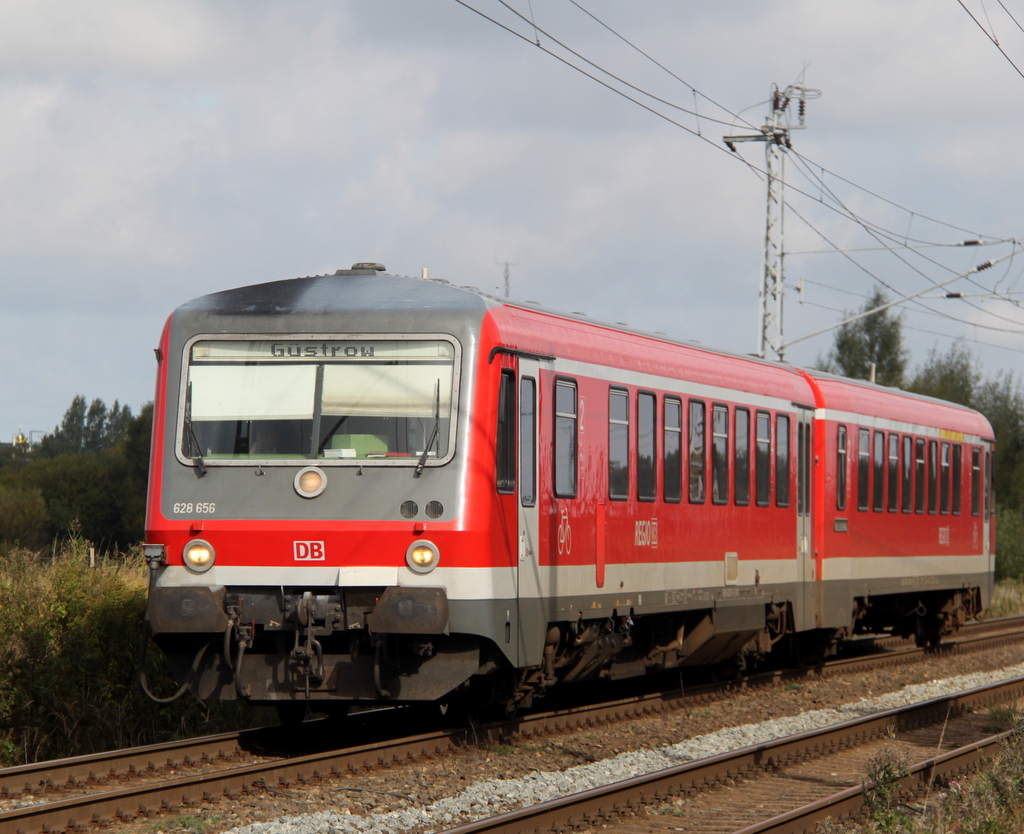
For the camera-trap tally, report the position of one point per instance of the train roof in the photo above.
(574, 336)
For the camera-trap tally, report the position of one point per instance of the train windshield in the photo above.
(365, 401)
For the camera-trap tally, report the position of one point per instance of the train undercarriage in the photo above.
(328, 648)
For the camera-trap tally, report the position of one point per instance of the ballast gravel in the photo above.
(493, 796)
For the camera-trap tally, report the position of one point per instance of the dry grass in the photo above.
(1008, 598)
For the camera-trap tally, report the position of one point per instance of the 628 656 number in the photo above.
(199, 508)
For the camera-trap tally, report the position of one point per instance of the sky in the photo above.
(154, 152)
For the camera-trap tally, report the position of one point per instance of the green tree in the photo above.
(96, 487)
(119, 418)
(94, 436)
(1001, 400)
(952, 376)
(69, 436)
(874, 339)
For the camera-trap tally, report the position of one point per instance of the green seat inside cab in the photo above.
(362, 444)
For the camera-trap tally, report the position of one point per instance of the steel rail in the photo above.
(849, 807)
(93, 770)
(600, 806)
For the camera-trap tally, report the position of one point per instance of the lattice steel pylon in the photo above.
(775, 133)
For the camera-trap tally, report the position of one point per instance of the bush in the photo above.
(1009, 544)
(68, 670)
(23, 518)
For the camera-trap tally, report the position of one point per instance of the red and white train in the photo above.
(367, 487)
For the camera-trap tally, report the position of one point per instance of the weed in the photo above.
(885, 769)
(794, 687)
(68, 644)
(188, 823)
(503, 749)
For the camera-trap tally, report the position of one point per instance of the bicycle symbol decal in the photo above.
(564, 534)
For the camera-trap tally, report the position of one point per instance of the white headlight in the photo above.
(198, 555)
(422, 556)
(310, 482)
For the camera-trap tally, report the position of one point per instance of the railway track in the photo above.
(70, 794)
(788, 785)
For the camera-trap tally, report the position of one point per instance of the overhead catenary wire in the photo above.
(991, 37)
(899, 241)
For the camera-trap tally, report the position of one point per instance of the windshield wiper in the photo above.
(433, 434)
(193, 441)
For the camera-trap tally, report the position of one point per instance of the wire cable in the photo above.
(992, 38)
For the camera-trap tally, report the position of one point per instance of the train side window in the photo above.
(741, 458)
(672, 466)
(958, 451)
(528, 441)
(720, 454)
(697, 457)
(763, 459)
(919, 475)
(783, 476)
(863, 469)
(879, 491)
(565, 438)
(933, 475)
(944, 481)
(908, 472)
(646, 433)
(894, 472)
(505, 440)
(975, 481)
(618, 444)
(841, 468)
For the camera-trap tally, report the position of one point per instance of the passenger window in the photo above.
(672, 469)
(696, 456)
(841, 468)
(975, 481)
(944, 481)
(958, 452)
(894, 472)
(863, 469)
(528, 441)
(741, 458)
(505, 440)
(919, 475)
(879, 493)
(782, 474)
(565, 439)
(720, 454)
(763, 461)
(933, 475)
(908, 470)
(618, 445)
(646, 429)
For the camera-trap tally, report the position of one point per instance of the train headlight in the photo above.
(422, 556)
(198, 555)
(310, 482)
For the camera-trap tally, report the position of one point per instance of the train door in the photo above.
(533, 615)
(805, 560)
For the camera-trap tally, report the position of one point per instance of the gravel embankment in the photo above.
(488, 796)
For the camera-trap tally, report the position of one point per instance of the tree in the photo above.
(95, 434)
(953, 376)
(875, 339)
(1001, 400)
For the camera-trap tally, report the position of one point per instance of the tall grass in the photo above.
(68, 645)
(1008, 598)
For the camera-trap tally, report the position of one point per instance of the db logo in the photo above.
(308, 551)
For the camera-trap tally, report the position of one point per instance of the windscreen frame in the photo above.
(313, 339)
